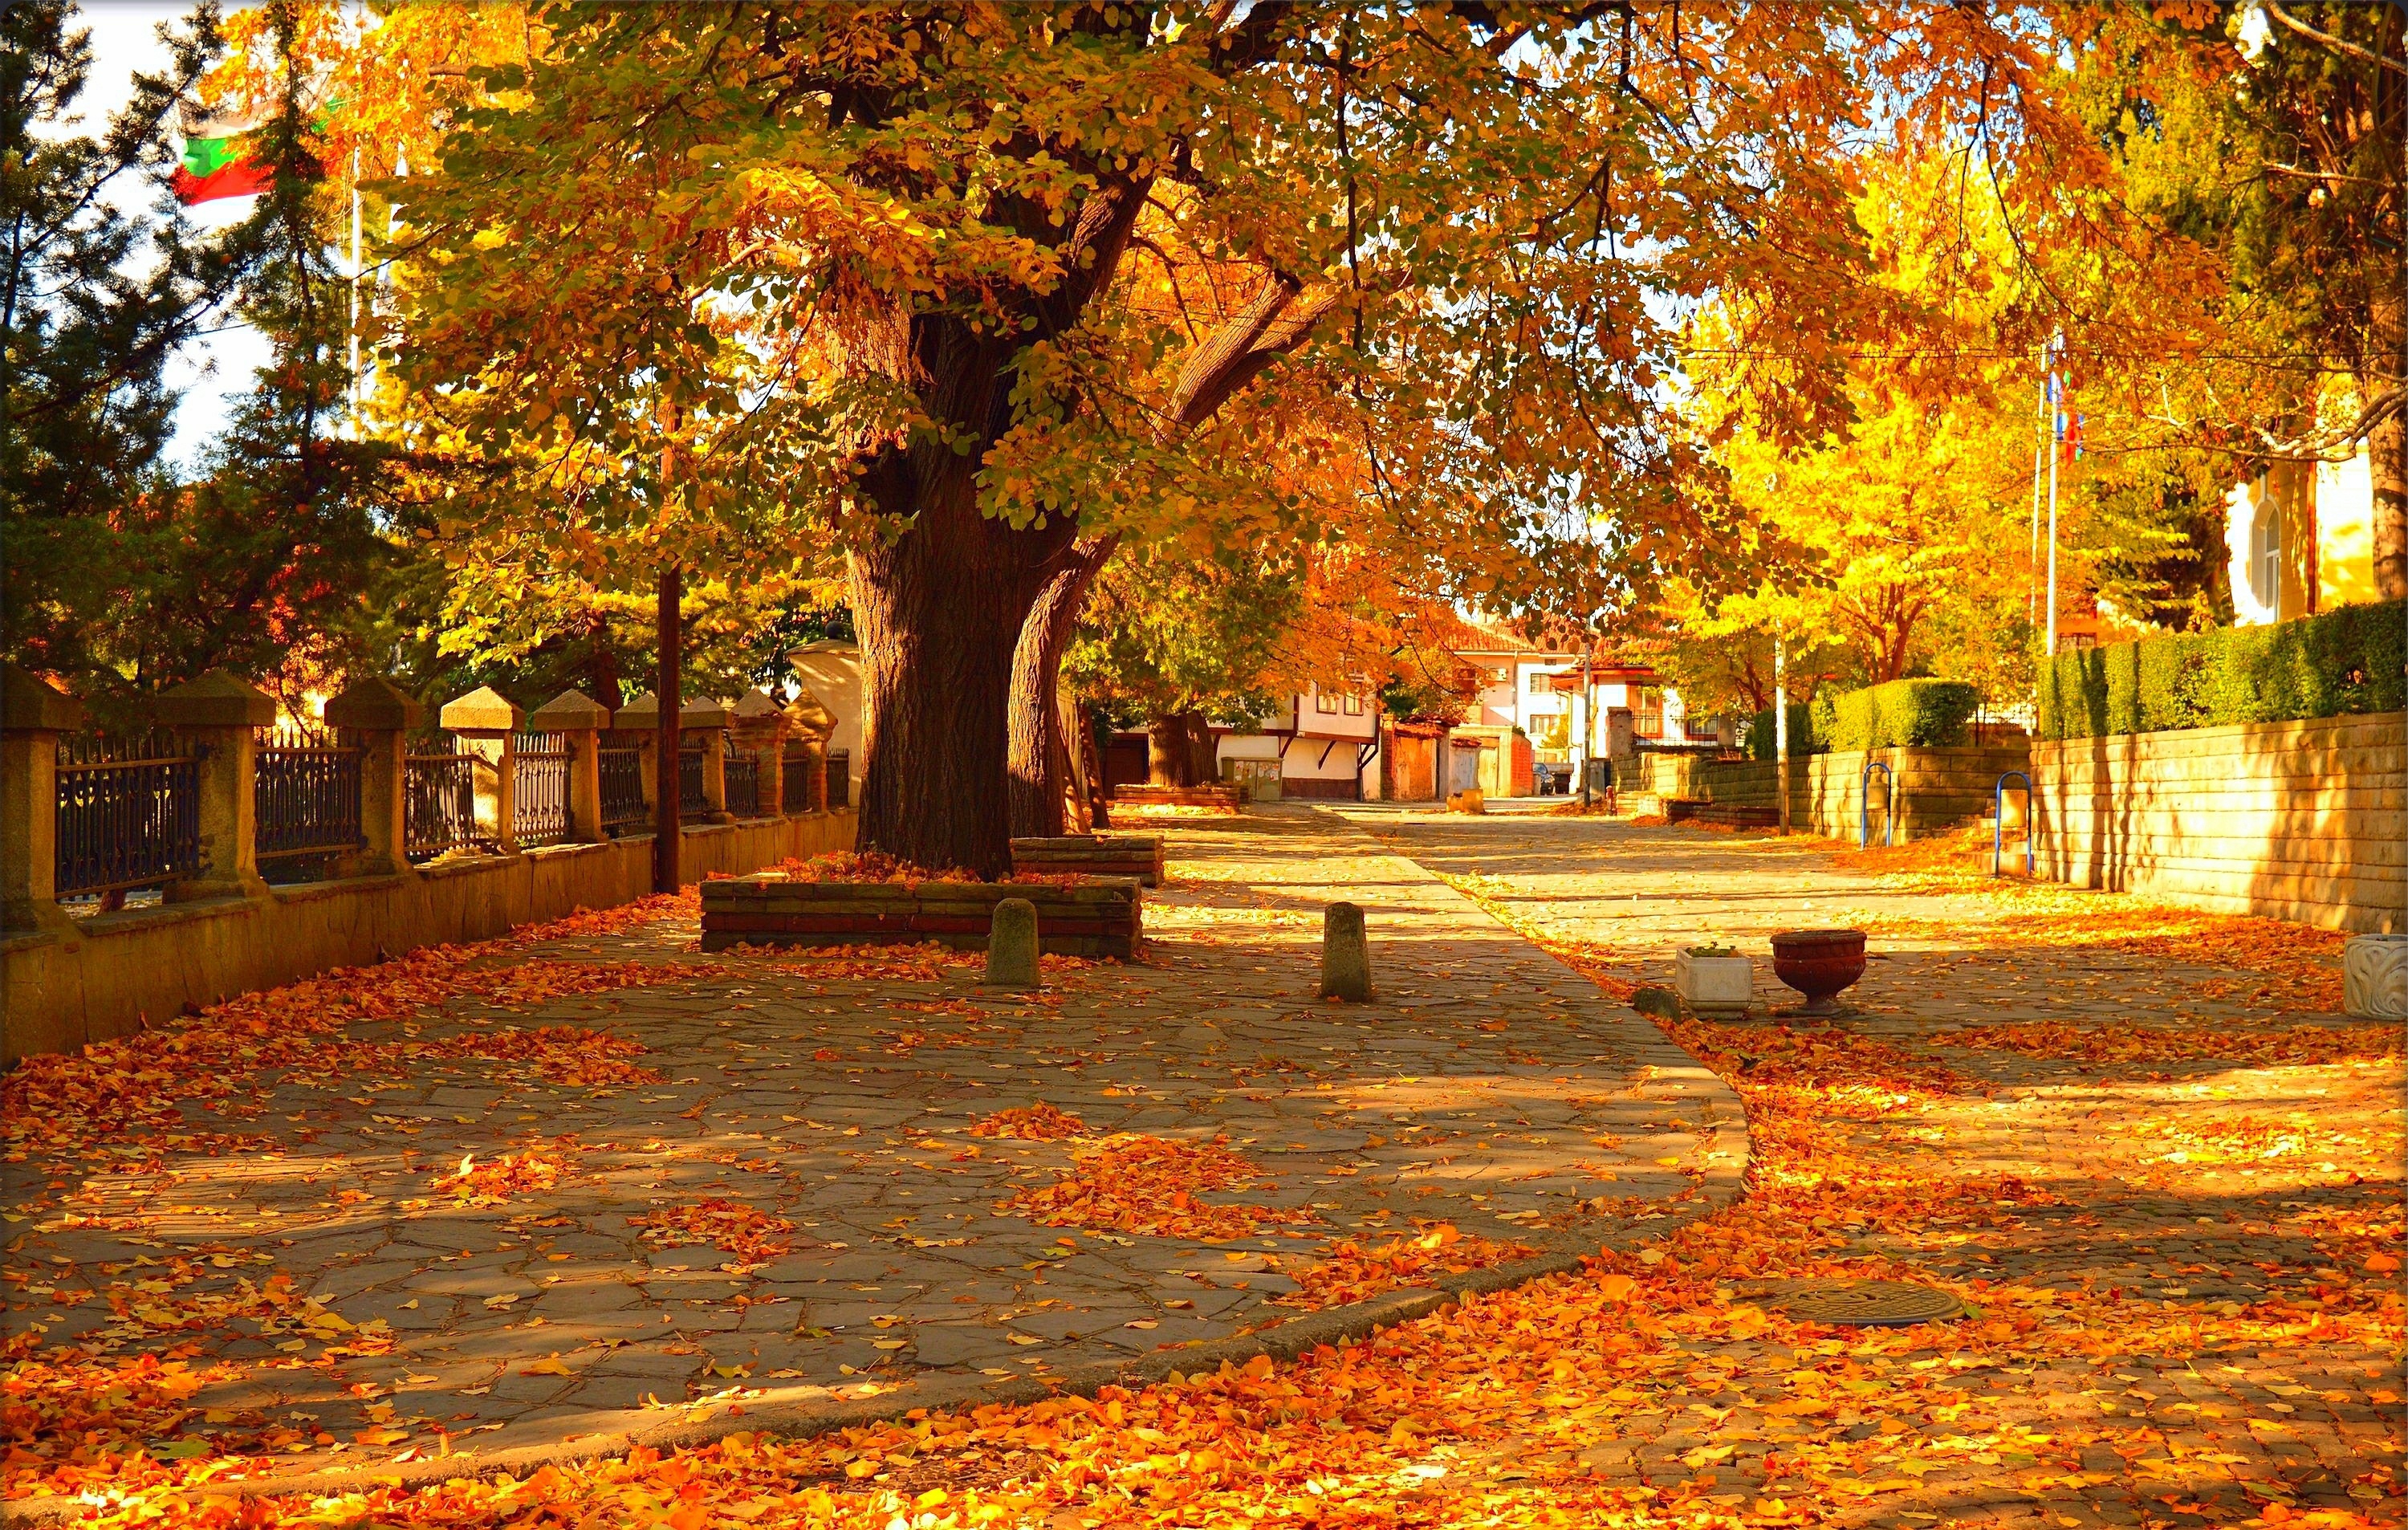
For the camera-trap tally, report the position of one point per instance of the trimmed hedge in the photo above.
(1900, 714)
(2341, 662)
(1761, 744)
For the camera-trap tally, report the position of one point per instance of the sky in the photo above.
(212, 374)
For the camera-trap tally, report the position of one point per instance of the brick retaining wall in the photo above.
(111, 974)
(2298, 821)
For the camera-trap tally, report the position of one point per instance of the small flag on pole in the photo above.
(217, 158)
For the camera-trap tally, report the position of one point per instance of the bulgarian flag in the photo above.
(218, 160)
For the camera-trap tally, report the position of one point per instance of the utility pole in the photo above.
(1781, 724)
(667, 774)
(2056, 452)
(2040, 448)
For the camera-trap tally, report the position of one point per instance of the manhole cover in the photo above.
(1867, 1304)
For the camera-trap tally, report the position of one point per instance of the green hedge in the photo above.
(1900, 714)
(1761, 744)
(2330, 666)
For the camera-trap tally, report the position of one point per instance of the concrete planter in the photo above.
(1223, 798)
(2375, 976)
(1098, 917)
(1137, 855)
(1714, 985)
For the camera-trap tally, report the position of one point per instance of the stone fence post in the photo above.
(33, 714)
(487, 723)
(813, 724)
(760, 725)
(218, 712)
(708, 721)
(380, 716)
(639, 719)
(579, 719)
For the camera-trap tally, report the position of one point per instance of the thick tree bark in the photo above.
(2386, 445)
(1099, 795)
(1202, 769)
(1037, 754)
(1166, 760)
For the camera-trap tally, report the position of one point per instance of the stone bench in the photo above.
(1137, 855)
(1102, 917)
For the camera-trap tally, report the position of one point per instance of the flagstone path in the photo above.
(467, 1258)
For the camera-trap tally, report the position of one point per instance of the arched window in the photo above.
(2266, 553)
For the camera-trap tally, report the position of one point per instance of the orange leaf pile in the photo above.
(1150, 1185)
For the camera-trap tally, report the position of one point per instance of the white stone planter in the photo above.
(1714, 985)
(2375, 976)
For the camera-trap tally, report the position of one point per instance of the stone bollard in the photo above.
(2375, 976)
(1346, 954)
(1011, 946)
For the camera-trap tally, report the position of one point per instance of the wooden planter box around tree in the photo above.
(1137, 855)
(1098, 917)
(1177, 797)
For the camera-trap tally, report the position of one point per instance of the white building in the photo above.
(1320, 744)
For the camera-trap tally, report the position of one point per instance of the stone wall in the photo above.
(1937, 789)
(113, 973)
(2298, 821)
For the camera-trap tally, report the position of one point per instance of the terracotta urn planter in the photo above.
(1820, 963)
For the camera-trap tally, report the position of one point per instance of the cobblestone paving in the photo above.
(802, 1207)
(2177, 1191)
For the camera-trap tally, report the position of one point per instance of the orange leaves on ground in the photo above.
(752, 1235)
(74, 1420)
(1150, 1185)
(563, 1054)
(1039, 1123)
(496, 1179)
(1353, 1273)
(846, 865)
(1139, 811)
(2296, 1045)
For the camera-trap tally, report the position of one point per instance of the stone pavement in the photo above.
(805, 1200)
(2153, 1197)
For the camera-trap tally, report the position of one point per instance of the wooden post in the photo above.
(33, 714)
(669, 623)
(378, 715)
(1781, 726)
(488, 724)
(218, 712)
(579, 719)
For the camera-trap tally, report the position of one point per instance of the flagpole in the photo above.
(353, 422)
(2056, 452)
(2039, 447)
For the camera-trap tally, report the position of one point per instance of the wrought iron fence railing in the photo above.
(128, 812)
(691, 802)
(304, 799)
(439, 798)
(539, 792)
(622, 787)
(796, 785)
(743, 784)
(839, 778)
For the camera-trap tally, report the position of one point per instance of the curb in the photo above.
(1724, 1148)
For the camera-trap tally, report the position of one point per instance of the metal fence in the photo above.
(305, 797)
(691, 804)
(439, 798)
(743, 784)
(539, 790)
(622, 787)
(839, 778)
(129, 811)
(798, 783)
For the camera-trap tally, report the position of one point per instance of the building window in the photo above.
(2266, 553)
(1324, 702)
(1352, 706)
(1647, 713)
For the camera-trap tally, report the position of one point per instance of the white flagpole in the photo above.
(2055, 450)
(352, 425)
(2039, 447)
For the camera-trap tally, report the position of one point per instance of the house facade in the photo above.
(1559, 701)
(1320, 744)
(2299, 539)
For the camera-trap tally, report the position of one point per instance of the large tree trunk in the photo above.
(1037, 755)
(1167, 761)
(668, 619)
(939, 611)
(1202, 767)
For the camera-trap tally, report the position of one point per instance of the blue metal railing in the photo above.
(1864, 804)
